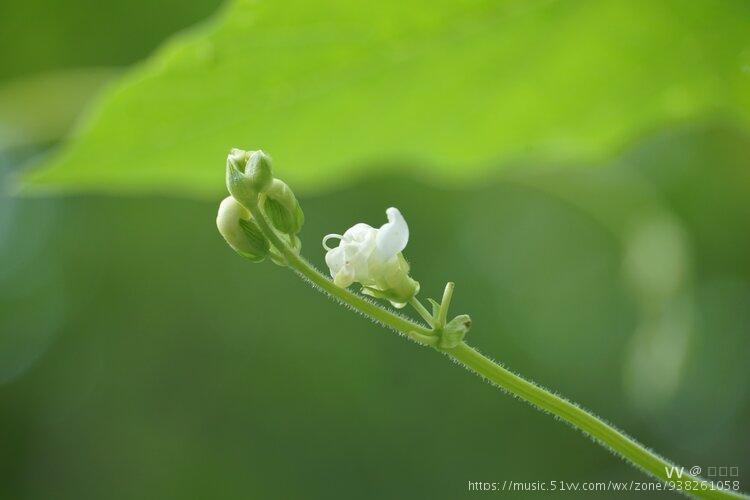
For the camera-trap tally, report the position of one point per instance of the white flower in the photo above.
(372, 257)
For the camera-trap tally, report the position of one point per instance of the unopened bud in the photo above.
(248, 174)
(455, 331)
(259, 168)
(282, 208)
(240, 231)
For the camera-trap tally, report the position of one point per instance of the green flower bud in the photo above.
(282, 208)
(248, 175)
(455, 331)
(259, 168)
(240, 231)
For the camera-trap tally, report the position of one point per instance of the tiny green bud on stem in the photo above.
(248, 175)
(454, 332)
(240, 231)
(259, 169)
(282, 208)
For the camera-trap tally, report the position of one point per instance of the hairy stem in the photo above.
(603, 433)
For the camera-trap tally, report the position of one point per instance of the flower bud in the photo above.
(248, 175)
(259, 168)
(240, 231)
(455, 331)
(282, 208)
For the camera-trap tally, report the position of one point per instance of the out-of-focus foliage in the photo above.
(58, 54)
(40, 110)
(41, 36)
(140, 354)
(335, 88)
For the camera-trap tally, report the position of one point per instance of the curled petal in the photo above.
(393, 236)
(330, 237)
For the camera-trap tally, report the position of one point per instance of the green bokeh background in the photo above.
(141, 358)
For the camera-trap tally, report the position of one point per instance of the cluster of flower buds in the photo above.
(262, 218)
(251, 184)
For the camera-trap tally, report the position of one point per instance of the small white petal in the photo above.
(344, 277)
(357, 244)
(359, 232)
(335, 260)
(393, 236)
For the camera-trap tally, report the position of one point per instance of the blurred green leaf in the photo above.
(333, 89)
(41, 36)
(130, 331)
(41, 109)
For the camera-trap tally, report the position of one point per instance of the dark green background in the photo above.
(141, 358)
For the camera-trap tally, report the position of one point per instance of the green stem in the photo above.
(445, 304)
(422, 310)
(603, 433)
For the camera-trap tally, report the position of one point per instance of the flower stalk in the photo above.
(444, 336)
